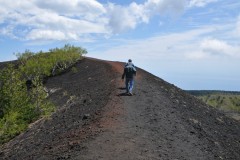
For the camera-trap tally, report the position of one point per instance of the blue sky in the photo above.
(193, 44)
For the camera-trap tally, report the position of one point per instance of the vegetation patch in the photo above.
(23, 97)
(226, 100)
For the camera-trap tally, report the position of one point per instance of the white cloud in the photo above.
(238, 26)
(193, 45)
(7, 31)
(3, 12)
(196, 55)
(80, 8)
(47, 34)
(165, 6)
(57, 22)
(62, 20)
(80, 18)
(122, 18)
(165, 47)
(219, 47)
(200, 3)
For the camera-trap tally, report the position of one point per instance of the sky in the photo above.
(193, 44)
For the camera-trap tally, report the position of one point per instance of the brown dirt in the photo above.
(159, 122)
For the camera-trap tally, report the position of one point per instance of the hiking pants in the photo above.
(129, 84)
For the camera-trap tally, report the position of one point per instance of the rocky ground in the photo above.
(96, 120)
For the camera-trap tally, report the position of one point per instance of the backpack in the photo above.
(130, 69)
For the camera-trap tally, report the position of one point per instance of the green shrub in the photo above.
(20, 106)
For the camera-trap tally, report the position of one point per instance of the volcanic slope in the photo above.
(96, 120)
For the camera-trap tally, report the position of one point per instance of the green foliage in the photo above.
(65, 57)
(220, 99)
(23, 57)
(20, 106)
(12, 89)
(14, 103)
(11, 125)
(74, 70)
(210, 92)
(51, 63)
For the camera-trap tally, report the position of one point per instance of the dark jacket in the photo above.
(129, 71)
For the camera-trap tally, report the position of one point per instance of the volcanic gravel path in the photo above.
(96, 120)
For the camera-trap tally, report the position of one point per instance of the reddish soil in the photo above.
(96, 120)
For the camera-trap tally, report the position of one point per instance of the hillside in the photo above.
(95, 120)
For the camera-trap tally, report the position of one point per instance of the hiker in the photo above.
(128, 74)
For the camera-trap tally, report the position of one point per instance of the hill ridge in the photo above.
(95, 121)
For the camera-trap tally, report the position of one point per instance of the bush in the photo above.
(20, 105)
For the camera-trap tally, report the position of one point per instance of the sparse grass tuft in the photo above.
(74, 70)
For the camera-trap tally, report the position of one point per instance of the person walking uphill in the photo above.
(129, 73)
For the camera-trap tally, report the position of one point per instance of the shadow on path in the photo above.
(122, 88)
(123, 94)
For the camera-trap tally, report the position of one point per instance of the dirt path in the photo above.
(147, 128)
(159, 122)
(149, 125)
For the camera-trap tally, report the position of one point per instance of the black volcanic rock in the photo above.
(95, 120)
